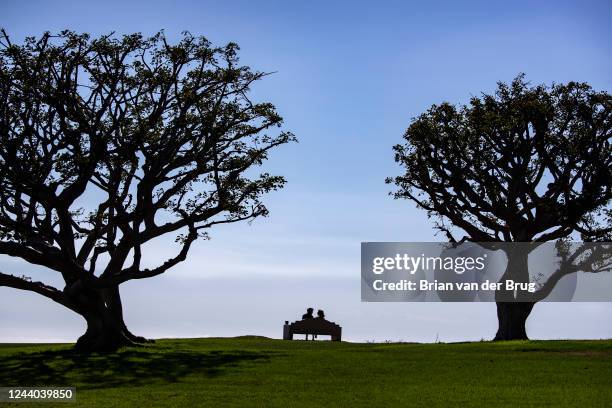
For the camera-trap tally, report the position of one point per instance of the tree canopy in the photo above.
(527, 163)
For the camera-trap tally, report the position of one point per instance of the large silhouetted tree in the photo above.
(526, 164)
(109, 143)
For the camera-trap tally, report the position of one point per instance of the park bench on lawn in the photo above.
(314, 327)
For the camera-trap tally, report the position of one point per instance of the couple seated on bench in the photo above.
(308, 314)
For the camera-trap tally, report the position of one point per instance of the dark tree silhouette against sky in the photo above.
(108, 143)
(526, 164)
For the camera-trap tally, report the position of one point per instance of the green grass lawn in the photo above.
(264, 372)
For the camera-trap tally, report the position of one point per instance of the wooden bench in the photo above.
(315, 326)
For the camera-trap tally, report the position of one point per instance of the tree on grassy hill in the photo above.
(109, 143)
(526, 164)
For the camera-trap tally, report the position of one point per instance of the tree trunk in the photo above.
(511, 317)
(512, 313)
(103, 313)
(114, 303)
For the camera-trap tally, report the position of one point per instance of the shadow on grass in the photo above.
(125, 368)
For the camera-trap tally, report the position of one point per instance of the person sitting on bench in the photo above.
(320, 315)
(308, 315)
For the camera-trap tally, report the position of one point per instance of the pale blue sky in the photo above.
(349, 76)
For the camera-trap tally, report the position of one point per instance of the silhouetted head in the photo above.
(321, 313)
(310, 310)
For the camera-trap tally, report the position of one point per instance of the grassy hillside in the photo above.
(264, 372)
